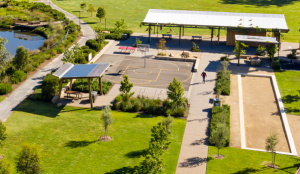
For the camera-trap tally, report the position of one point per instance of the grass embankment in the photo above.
(2, 97)
(289, 86)
(68, 138)
(134, 12)
(246, 161)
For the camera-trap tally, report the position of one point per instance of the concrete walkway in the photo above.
(194, 147)
(17, 96)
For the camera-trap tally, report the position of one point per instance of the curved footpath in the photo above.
(11, 102)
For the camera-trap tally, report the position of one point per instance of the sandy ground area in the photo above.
(261, 113)
(294, 122)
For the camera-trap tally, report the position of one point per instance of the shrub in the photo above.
(82, 86)
(220, 115)
(223, 83)
(94, 45)
(276, 65)
(28, 68)
(137, 41)
(28, 160)
(5, 88)
(49, 86)
(195, 48)
(18, 76)
(224, 58)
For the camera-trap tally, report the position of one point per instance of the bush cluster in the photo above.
(220, 115)
(49, 86)
(223, 83)
(82, 86)
(115, 35)
(195, 48)
(276, 65)
(18, 76)
(94, 45)
(5, 88)
(149, 106)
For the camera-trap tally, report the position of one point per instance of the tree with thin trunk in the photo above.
(21, 58)
(82, 6)
(91, 9)
(125, 88)
(107, 119)
(101, 13)
(3, 56)
(271, 142)
(271, 51)
(219, 136)
(176, 94)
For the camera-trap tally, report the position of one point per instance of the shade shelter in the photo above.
(88, 71)
(234, 23)
(254, 39)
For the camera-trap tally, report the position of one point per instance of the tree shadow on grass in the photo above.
(278, 3)
(145, 116)
(123, 170)
(290, 99)
(247, 170)
(76, 144)
(194, 162)
(291, 109)
(136, 154)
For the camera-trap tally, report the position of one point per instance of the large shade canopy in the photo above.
(216, 19)
(71, 71)
(88, 71)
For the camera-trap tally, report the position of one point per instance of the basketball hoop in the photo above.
(143, 48)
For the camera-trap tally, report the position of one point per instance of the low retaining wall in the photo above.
(195, 60)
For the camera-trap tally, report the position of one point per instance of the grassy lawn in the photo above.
(240, 161)
(289, 86)
(134, 11)
(68, 138)
(2, 98)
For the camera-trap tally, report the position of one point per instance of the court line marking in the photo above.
(124, 72)
(157, 68)
(142, 73)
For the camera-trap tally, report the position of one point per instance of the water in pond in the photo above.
(17, 38)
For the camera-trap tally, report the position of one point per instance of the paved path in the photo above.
(194, 147)
(17, 96)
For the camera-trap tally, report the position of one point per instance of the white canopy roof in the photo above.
(216, 19)
(256, 39)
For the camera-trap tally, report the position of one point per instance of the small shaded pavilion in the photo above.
(254, 39)
(88, 71)
(235, 23)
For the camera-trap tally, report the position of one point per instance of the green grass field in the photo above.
(2, 98)
(134, 11)
(289, 86)
(68, 138)
(240, 161)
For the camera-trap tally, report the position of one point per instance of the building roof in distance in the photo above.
(69, 70)
(216, 19)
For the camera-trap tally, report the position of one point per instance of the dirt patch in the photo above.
(294, 122)
(1, 157)
(218, 156)
(105, 138)
(270, 165)
(261, 113)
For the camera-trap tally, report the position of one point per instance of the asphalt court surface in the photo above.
(157, 73)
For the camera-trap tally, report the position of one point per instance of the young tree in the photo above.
(125, 88)
(271, 142)
(3, 56)
(5, 167)
(28, 161)
(82, 6)
(176, 93)
(21, 58)
(242, 49)
(272, 50)
(91, 9)
(106, 118)
(49, 86)
(3, 134)
(120, 26)
(161, 45)
(68, 56)
(101, 13)
(219, 136)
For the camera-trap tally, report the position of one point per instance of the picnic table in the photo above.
(124, 48)
(197, 37)
(165, 35)
(76, 93)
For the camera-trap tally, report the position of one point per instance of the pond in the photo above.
(16, 38)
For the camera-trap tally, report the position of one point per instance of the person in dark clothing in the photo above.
(203, 76)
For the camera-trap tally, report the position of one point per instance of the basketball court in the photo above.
(147, 72)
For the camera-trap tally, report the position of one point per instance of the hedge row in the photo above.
(220, 115)
(117, 36)
(82, 86)
(223, 82)
(149, 106)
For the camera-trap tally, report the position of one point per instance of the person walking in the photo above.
(203, 76)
